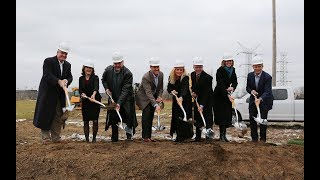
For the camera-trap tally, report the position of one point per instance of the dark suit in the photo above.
(124, 97)
(146, 97)
(203, 89)
(264, 91)
(50, 94)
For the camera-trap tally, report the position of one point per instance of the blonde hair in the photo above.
(172, 76)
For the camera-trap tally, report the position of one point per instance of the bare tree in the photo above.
(299, 93)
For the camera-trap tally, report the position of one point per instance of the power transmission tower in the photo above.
(283, 69)
(249, 53)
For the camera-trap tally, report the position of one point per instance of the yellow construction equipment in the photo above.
(75, 98)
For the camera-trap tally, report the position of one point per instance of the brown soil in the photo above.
(164, 159)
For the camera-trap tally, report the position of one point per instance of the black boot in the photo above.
(86, 130)
(94, 130)
(224, 134)
(223, 130)
(221, 133)
(114, 136)
(198, 135)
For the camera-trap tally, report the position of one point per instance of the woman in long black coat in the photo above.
(178, 84)
(226, 82)
(89, 86)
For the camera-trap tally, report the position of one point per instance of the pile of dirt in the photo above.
(163, 159)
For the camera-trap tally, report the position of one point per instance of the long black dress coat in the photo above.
(126, 98)
(183, 129)
(222, 106)
(90, 110)
(203, 88)
(49, 91)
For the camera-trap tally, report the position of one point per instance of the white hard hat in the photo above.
(197, 61)
(117, 57)
(257, 60)
(154, 61)
(178, 63)
(63, 46)
(89, 63)
(227, 56)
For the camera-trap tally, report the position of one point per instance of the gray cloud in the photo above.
(142, 28)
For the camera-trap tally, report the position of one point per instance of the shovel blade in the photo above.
(264, 121)
(158, 128)
(128, 130)
(120, 125)
(68, 108)
(209, 133)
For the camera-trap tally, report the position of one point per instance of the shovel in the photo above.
(67, 109)
(121, 124)
(238, 125)
(95, 101)
(208, 132)
(258, 118)
(159, 127)
(180, 104)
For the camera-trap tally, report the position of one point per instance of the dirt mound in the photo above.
(163, 159)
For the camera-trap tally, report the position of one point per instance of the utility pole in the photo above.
(274, 48)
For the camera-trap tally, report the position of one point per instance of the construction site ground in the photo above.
(163, 159)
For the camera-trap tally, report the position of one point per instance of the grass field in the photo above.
(25, 109)
(296, 141)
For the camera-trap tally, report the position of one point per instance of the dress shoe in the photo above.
(114, 140)
(149, 140)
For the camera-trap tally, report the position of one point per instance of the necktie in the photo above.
(156, 81)
(197, 77)
(257, 80)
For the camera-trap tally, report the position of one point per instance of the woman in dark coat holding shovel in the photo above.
(226, 82)
(89, 87)
(178, 84)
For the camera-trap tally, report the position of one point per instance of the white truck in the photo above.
(285, 107)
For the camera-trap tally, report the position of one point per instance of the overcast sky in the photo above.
(168, 29)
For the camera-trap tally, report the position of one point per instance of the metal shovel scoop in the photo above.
(67, 109)
(159, 127)
(238, 125)
(208, 132)
(121, 124)
(258, 118)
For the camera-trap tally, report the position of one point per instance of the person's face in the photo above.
(198, 68)
(155, 69)
(228, 63)
(118, 66)
(62, 56)
(178, 71)
(88, 70)
(257, 68)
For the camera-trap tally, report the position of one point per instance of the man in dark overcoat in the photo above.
(117, 81)
(51, 96)
(202, 90)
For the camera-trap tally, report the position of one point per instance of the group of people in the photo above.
(194, 102)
